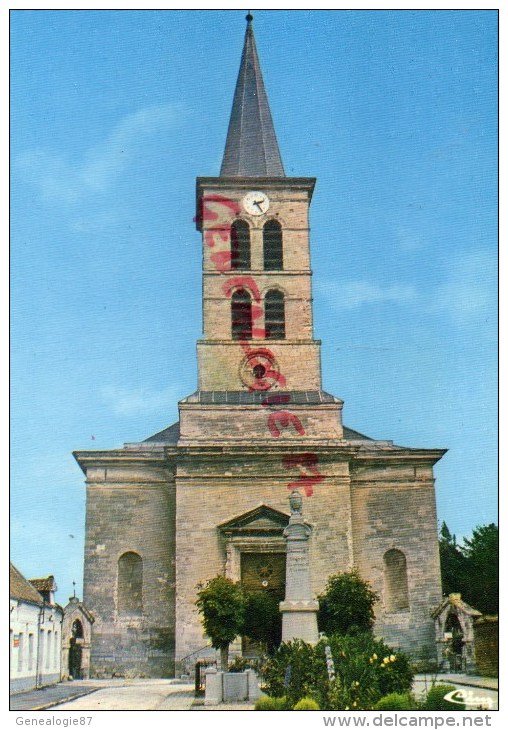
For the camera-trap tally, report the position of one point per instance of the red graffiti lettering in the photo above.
(242, 282)
(275, 376)
(285, 418)
(212, 232)
(222, 260)
(256, 312)
(207, 213)
(212, 206)
(270, 375)
(276, 400)
(309, 472)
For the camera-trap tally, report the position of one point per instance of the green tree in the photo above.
(222, 607)
(453, 562)
(263, 619)
(481, 554)
(347, 605)
(472, 569)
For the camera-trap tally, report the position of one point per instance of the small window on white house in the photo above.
(48, 648)
(55, 650)
(30, 652)
(396, 595)
(41, 648)
(21, 648)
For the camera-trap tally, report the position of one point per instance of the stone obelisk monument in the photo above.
(299, 609)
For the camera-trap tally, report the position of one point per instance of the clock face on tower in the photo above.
(256, 203)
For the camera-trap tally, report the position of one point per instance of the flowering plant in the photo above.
(353, 673)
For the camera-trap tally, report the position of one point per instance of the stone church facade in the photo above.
(209, 494)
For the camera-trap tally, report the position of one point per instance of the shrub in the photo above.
(346, 606)
(271, 703)
(396, 701)
(365, 671)
(263, 620)
(435, 699)
(240, 664)
(306, 703)
(293, 671)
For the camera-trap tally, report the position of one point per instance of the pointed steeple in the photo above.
(251, 145)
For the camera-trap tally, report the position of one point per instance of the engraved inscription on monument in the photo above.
(299, 609)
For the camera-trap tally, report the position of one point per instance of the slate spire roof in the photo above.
(251, 145)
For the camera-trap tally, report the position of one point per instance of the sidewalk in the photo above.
(478, 692)
(470, 680)
(122, 693)
(199, 704)
(46, 697)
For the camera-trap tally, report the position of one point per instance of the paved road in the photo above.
(39, 699)
(143, 694)
(167, 694)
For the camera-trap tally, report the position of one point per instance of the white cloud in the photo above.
(106, 161)
(66, 181)
(128, 402)
(52, 175)
(469, 292)
(354, 294)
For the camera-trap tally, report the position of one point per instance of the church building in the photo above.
(209, 494)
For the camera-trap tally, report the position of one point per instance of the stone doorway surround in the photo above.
(258, 531)
(255, 532)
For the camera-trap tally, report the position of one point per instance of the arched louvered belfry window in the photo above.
(241, 315)
(240, 245)
(396, 595)
(272, 246)
(275, 319)
(130, 584)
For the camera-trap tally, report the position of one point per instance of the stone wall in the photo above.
(201, 423)
(486, 638)
(394, 508)
(220, 363)
(131, 510)
(214, 490)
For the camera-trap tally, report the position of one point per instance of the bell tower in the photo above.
(257, 301)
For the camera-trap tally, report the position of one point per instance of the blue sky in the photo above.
(114, 114)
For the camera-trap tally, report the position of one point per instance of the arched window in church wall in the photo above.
(130, 584)
(275, 317)
(272, 246)
(240, 245)
(396, 594)
(241, 315)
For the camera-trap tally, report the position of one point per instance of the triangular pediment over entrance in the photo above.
(261, 520)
